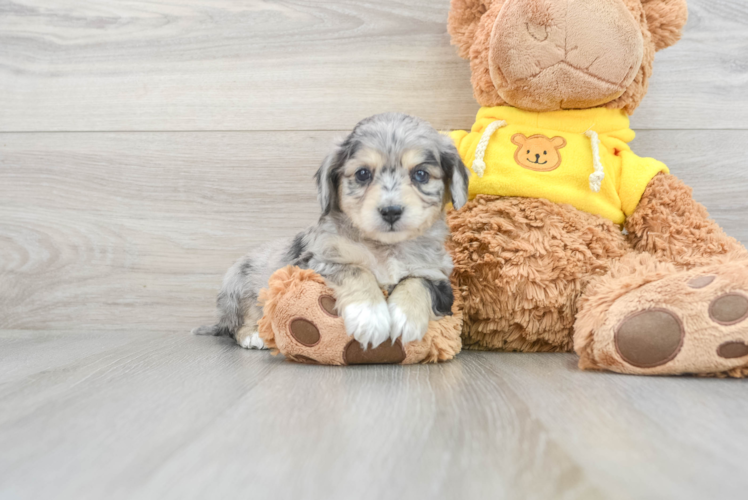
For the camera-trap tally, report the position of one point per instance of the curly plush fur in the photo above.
(520, 265)
(539, 276)
(672, 226)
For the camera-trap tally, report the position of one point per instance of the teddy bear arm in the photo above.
(674, 227)
(301, 322)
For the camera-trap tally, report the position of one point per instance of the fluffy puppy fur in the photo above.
(383, 191)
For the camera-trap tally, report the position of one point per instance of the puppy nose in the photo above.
(392, 213)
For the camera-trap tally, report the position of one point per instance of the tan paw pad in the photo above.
(650, 338)
(701, 282)
(385, 353)
(304, 332)
(732, 350)
(729, 309)
(327, 303)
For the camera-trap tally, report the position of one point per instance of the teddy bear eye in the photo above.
(528, 151)
(545, 152)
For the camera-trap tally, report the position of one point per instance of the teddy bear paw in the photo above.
(320, 337)
(301, 321)
(693, 322)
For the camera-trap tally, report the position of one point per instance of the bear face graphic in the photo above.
(538, 152)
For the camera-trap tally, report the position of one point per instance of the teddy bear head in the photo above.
(547, 55)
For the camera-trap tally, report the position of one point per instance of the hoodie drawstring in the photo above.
(596, 178)
(479, 166)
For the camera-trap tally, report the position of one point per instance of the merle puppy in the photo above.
(383, 192)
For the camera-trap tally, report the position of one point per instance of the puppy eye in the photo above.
(363, 175)
(420, 176)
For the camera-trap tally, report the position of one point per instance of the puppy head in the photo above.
(391, 177)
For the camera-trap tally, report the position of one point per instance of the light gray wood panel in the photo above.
(702, 82)
(709, 162)
(228, 65)
(111, 229)
(100, 230)
(176, 416)
(303, 65)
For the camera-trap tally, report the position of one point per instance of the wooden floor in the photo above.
(146, 144)
(161, 415)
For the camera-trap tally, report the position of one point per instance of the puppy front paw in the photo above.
(249, 339)
(407, 325)
(368, 323)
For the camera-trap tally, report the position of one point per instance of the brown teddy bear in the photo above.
(571, 241)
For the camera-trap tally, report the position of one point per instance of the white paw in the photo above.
(252, 341)
(407, 327)
(368, 323)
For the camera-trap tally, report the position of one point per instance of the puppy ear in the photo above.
(455, 172)
(464, 17)
(329, 173)
(665, 19)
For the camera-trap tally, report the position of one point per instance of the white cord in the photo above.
(479, 165)
(596, 178)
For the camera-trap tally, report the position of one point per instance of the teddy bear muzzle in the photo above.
(547, 55)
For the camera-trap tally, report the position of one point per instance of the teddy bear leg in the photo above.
(647, 317)
(669, 224)
(301, 322)
(520, 267)
(680, 306)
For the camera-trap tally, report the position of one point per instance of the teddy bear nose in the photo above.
(564, 54)
(537, 157)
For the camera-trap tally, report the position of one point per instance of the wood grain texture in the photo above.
(154, 415)
(111, 229)
(136, 229)
(301, 65)
(147, 144)
(701, 82)
(227, 65)
(708, 161)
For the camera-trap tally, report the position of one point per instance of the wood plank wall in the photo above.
(145, 145)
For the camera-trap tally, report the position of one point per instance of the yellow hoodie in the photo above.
(579, 157)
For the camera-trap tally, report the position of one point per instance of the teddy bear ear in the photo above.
(666, 19)
(464, 17)
(519, 139)
(558, 142)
